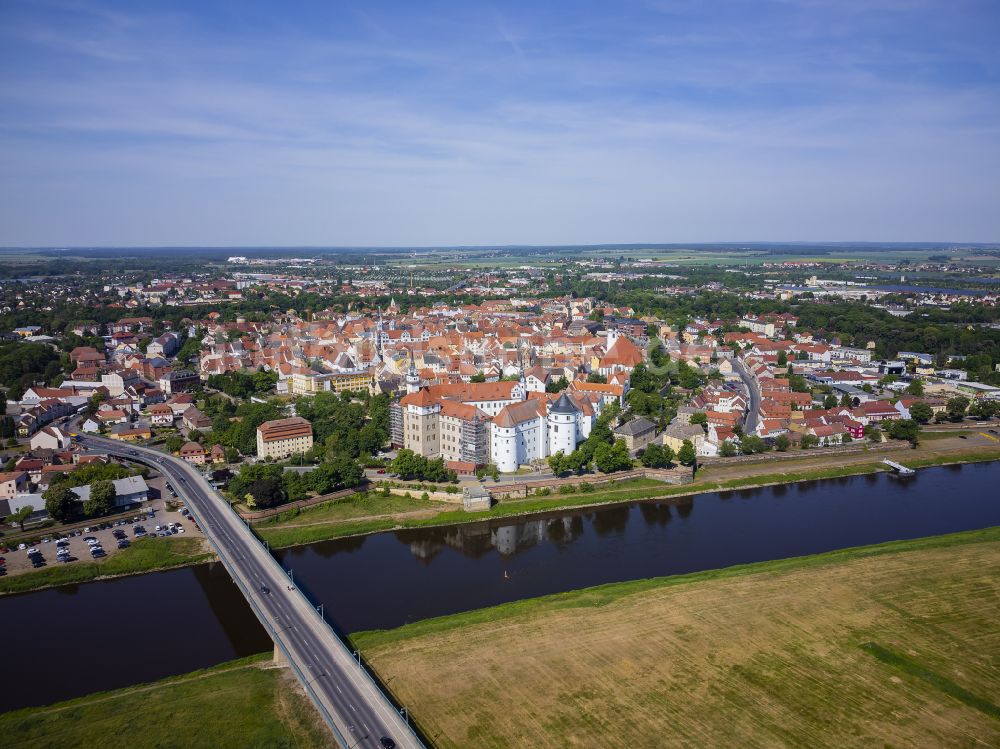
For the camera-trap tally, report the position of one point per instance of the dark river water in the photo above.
(71, 641)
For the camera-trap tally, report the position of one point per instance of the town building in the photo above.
(282, 438)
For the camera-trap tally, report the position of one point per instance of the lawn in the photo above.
(144, 555)
(889, 645)
(332, 520)
(239, 705)
(354, 506)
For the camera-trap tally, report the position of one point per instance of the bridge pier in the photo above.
(279, 656)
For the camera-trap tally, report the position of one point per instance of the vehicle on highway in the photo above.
(386, 742)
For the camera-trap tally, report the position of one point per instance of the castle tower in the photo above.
(412, 377)
(561, 423)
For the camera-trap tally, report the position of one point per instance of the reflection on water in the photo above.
(413, 574)
(142, 628)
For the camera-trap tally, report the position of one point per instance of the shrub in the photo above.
(586, 487)
(567, 489)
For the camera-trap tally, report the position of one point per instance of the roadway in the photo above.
(357, 711)
(753, 394)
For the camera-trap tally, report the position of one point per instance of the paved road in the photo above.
(356, 710)
(753, 393)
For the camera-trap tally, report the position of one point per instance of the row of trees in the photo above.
(411, 466)
(263, 485)
(63, 504)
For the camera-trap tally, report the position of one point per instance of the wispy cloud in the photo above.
(555, 122)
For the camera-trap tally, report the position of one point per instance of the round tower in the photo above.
(561, 423)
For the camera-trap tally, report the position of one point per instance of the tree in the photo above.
(479, 376)
(556, 386)
(267, 492)
(808, 441)
(782, 358)
(557, 463)
(101, 499)
(830, 401)
(597, 378)
(956, 407)
(612, 458)
(782, 443)
(904, 429)
(873, 433)
(174, 443)
(921, 412)
(686, 455)
(699, 418)
(20, 516)
(981, 409)
(60, 502)
(727, 449)
(753, 444)
(657, 456)
(916, 387)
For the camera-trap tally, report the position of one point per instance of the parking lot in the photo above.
(18, 561)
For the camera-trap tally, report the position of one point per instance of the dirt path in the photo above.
(937, 448)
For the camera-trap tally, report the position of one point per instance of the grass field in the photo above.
(890, 645)
(238, 705)
(144, 555)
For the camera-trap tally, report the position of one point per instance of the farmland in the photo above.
(894, 644)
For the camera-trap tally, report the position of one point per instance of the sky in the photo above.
(256, 123)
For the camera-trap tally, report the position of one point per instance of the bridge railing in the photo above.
(267, 625)
(333, 633)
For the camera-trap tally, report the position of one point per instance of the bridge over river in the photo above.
(357, 711)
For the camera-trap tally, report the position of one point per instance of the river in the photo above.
(70, 641)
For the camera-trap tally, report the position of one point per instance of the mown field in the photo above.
(239, 705)
(891, 645)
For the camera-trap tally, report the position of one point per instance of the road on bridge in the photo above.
(357, 711)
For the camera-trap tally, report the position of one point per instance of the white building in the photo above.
(534, 429)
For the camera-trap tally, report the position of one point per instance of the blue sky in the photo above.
(430, 123)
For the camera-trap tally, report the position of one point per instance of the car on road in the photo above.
(387, 743)
(380, 471)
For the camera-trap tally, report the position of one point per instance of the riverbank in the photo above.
(144, 555)
(282, 532)
(898, 650)
(371, 513)
(238, 704)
